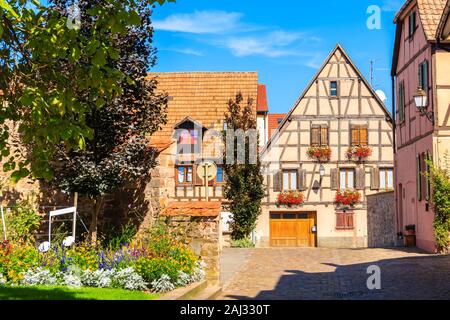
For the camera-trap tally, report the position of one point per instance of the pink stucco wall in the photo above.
(414, 136)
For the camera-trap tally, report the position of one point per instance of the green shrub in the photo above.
(23, 222)
(17, 259)
(440, 180)
(153, 268)
(242, 243)
(124, 236)
(84, 256)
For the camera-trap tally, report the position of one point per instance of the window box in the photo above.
(290, 198)
(322, 154)
(359, 153)
(347, 198)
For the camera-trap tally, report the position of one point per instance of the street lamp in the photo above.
(321, 171)
(421, 101)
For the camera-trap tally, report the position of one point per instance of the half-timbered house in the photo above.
(337, 137)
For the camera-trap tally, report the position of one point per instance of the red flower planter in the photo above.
(319, 153)
(347, 197)
(359, 152)
(290, 198)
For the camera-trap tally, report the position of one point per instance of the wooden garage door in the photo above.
(292, 229)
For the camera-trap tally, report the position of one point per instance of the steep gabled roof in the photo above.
(261, 104)
(203, 96)
(274, 120)
(430, 16)
(444, 24)
(327, 60)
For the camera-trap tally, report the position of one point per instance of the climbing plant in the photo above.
(440, 181)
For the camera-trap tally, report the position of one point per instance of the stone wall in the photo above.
(381, 229)
(203, 235)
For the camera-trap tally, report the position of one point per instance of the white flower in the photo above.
(163, 284)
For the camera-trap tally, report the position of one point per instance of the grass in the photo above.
(66, 293)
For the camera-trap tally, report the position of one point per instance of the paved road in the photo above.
(321, 273)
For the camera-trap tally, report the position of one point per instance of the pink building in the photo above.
(421, 60)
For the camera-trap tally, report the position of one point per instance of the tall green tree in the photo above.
(118, 151)
(46, 64)
(244, 182)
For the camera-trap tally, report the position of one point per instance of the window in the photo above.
(423, 76)
(279, 120)
(422, 181)
(319, 135)
(401, 102)
(344, 220)
(184, 174)
(219, 176)
(187, 141)
(289, 180)
(386, 178)
(333, 89)
(347, 179)
(411, 24)
(359, 136)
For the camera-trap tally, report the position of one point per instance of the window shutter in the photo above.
(340, 220)
(401, 94)
(301, 179)
(360, 178)
(425, 76)
(355, 136)
(349, 220)
(315, 136)
(277, 181)
(421, 76)
(324, 136)
(428, 182)
(375, 178)
(334, 179)
(423, 177)
(418, 184)
(363, 140)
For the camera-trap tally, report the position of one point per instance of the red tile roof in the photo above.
(274, 120)
(193, 209)
(430, 13)
(261, 105)
(160, 143)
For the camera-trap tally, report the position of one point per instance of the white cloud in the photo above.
(200, 22)
(273, 45)
(392, 5)
(187, 51)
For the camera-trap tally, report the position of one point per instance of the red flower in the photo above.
(290, 198)
(361, 152)
(347, 198)
(319, 153)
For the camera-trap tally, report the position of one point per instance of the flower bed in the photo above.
(359, 152)
(159, 263)
(290, 198)
(347, 197)
(319, 153)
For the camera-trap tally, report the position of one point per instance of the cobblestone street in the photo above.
(321, 273)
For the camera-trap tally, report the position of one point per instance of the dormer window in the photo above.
(411, 24)
(188, 134)
(333, 89)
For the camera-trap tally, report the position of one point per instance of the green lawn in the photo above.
(65, 293)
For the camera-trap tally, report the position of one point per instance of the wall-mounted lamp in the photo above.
(321, 171)
(421, 101)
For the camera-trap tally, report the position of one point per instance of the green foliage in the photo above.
(244, 183)
(242, 243)
(22, 222)
(124, 236)
(52, 74)
(440, 181)
(17, 259)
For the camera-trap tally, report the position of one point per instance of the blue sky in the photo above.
(284, 41)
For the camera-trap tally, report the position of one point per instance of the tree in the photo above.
(46, 65)
(118, 151)
(244, 181)
(440, 181)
